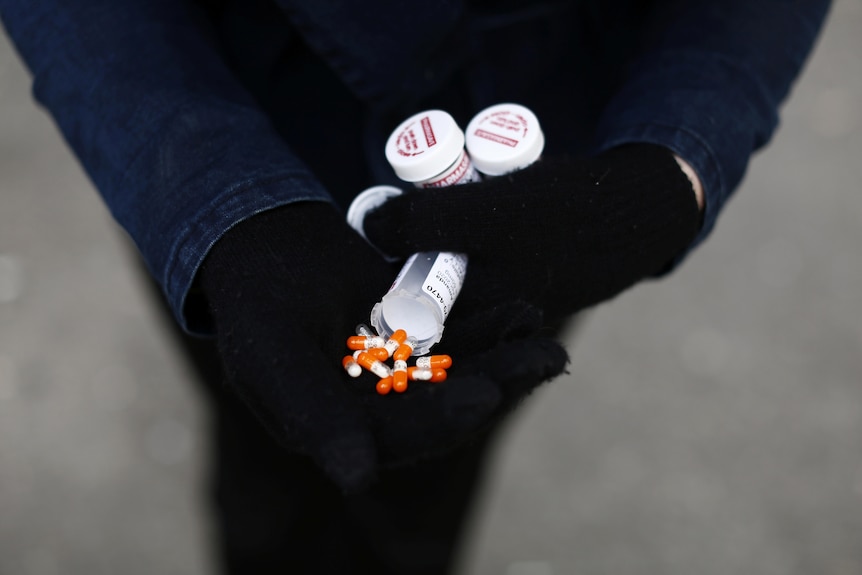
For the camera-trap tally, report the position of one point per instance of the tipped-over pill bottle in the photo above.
(426, 150)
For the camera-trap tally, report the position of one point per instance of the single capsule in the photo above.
(365, 342)
(377, 353)
(373, 365)
(384, 386)
(395, 341)
(352, 368)
(419, 374)
(434, 375)
(405, 350)
(399, 376)
(432, 361)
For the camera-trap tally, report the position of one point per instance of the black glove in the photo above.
(562, 235)
(286, 288)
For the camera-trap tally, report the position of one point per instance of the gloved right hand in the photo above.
(285, 288)
(563, 234)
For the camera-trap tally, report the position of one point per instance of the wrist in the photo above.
(693, 178)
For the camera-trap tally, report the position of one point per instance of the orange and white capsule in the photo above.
(434, 375)
(432, 361)
(377, 353)
(419, 374)
(405, 350)
(399, 376)
(356, 342)
(373, 365)
(395, 341)
(384, 386)
(352, 368)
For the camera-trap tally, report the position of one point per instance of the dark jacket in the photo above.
(192, 116)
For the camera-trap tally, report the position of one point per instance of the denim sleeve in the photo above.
(177, 149)
(709, 82)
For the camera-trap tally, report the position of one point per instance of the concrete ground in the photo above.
(711, 423)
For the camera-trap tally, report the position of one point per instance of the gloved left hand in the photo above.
(286, 288)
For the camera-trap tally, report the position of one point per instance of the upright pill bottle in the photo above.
(504, 138)
(427, 150)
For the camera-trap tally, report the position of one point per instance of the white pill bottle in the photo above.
(427, 150)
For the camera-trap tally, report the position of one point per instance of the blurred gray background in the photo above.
(711, 422)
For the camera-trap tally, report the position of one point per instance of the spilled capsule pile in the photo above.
(371, 352)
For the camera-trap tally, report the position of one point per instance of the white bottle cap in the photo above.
(504, 138)
(424, 145)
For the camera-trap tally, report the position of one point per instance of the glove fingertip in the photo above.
(470, 403)
(523, 365)
(377, 223)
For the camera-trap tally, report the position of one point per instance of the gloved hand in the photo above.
(562, 235)
(285, 289)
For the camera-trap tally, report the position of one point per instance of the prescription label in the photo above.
(461, 172)
(444, 279)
